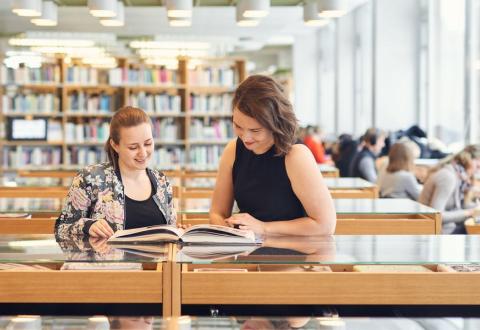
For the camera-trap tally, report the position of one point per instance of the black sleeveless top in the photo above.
(261, 186)
(143, 213)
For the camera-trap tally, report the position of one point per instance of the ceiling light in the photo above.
(254, 8)
(102, 8)
(100, 62)
(29, 8)
(332, 8)
(179, 22)
(26, 42)
(170, 44)
(171, 53)
(179, 8)
(244, 21)
(49, 15)
(118, 20)
(310, 14)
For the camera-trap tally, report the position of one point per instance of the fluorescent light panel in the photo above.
(310, 14)
(170, 44)
(118, 20)
(254, 8)
(179, 22)
(26, 42)
(49, 15)
(102, 8)
(28, 8)
(244, 21)
(332, 8)
(179, 8)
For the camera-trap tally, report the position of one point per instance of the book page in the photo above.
(147, 234)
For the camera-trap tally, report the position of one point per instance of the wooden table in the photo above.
(152, 284)
(282, 271)
(42, 213)
(329, 171)
(351, 188)
(286, 274)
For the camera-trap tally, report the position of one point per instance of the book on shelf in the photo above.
(204, 234)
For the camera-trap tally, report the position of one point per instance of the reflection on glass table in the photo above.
(42, 249)
(253, 323)
(343, 250)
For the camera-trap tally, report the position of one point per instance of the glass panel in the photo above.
(381, 206)
(30, 205)
(33, 182)
(347, 183)
(327, 168)
(344, 206)
(243, 322)
(354, 250)
(45, 249)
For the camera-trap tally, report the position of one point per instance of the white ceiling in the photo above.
(150, 21)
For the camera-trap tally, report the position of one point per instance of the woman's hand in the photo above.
(245, 221)
(183, 226)
(100, 228)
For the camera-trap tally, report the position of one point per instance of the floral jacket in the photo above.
(97, 193)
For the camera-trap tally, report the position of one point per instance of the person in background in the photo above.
(275, 182)
(313, 142)
(122, 193)
(363, 164)
(343, 152)
(447, 185)
(397, 180)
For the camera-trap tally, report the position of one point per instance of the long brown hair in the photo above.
(400, 157)
(125, 117)
(464, 158)
(263, 99)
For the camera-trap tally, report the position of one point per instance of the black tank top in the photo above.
(143, 213)
(261, 186)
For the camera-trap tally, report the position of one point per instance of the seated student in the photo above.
(343, 152)
(313, 142)
(363, 164)
(398, 180)
(123, 192)
(447, 185)
(276, 183)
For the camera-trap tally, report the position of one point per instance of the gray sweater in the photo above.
(442, 192)
(400, 184)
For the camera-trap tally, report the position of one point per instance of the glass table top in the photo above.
(327, 168)
(345, 250)
(347, 183)
(332, 183)
(33, 182)
(31, 205)
(100, 322)
(41, 249)
(343, 206)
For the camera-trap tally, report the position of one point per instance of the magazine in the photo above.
(199, 234)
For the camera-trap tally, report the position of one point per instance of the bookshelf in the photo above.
(190, 108)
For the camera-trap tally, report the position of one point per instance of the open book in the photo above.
(198, 234)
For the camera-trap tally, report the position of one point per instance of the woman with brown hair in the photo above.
(398, 179)
(275, 182)
(447, 185)
(123, 192)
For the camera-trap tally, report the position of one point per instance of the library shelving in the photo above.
(190, 108)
